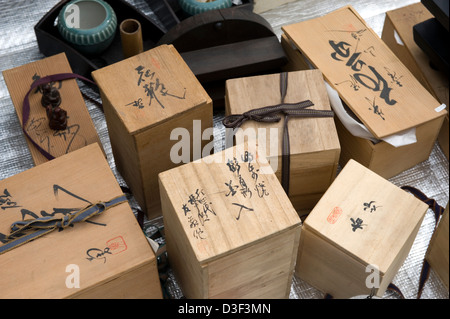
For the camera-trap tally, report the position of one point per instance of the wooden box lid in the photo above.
(227, 201)
(307, 135)
(80, 128)
(104, 247)
(150, 88)
(369, 78)
(366, 216)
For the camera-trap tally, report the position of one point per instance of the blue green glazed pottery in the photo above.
(88, 25)
(193, 7)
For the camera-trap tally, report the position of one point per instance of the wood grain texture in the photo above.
(437, 254)
(413, 57)
(146, 98)
(80, 129)
(207, 236)
(382, 158)
(160, 78)
(399, 23)
(361, 69)
(361, 220)
(314, 144)
(38, 268)
(443, 137)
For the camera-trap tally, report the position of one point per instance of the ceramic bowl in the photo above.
(193, 7)
(89, 25)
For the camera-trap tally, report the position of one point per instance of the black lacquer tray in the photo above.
(50, 41)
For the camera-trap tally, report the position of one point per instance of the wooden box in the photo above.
(80, 129)
(379, 91)
(398, 35)
(231, 231)
(106, 256)
(438, 250)
(152, 101)
(358, 235)
(314, 143)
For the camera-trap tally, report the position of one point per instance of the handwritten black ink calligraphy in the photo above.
(241, 208)
(6, 200)
(153, 87)
(373, 80)
(97, 254)
(357, 224)
(200, 204)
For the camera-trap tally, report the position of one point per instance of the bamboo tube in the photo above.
(131, 37)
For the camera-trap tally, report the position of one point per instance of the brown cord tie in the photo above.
(270, 114)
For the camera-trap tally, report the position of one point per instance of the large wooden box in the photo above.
(152, 100)
(231, 231)
(106, 256)
(80, 129)
(379, 91)
(398, 35)
(314, 143)
(358, 235)
(438, 250)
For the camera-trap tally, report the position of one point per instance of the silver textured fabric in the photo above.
(18, 46)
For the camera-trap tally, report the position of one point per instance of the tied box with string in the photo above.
(290, 114)
(386, 120)
(66, 235)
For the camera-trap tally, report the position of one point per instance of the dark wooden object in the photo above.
(222, 44)
(170, 13)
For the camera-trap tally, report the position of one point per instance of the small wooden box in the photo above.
(398, 35)
(147, 98)
(437, 254)
(377, 88)
(107, 256)
(80, 129)
(231, 231)
(362, 220)
(314, 143)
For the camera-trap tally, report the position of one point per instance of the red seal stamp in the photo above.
(334, 215)
(116, 245)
